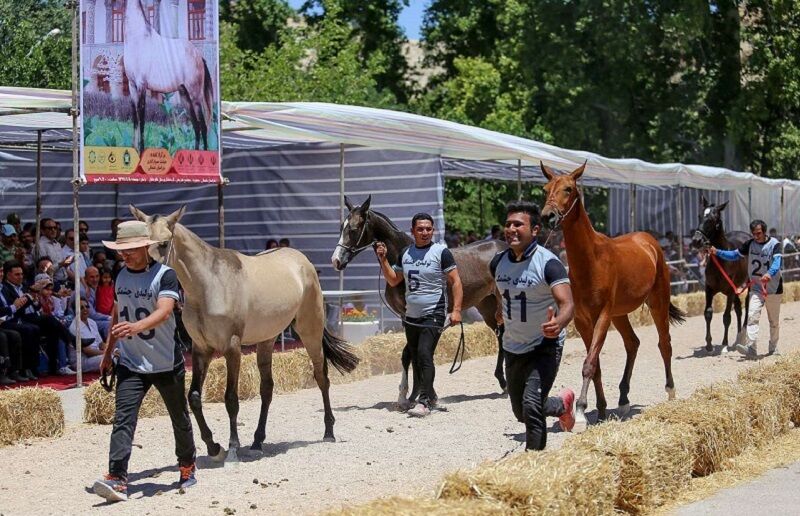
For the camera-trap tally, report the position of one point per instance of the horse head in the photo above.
(161, 229)
(561, 194)
(355, 235)
(710, 228)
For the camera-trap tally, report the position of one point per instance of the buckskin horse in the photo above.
(363, 227)
(610, 278)
(234, 300)
(711, 233)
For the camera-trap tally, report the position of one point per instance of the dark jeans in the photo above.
(131, 388)
(10, 351)
(422, 341)
(31, 336)
(530, 377)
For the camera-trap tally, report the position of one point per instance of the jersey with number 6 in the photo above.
(526, 289)
(137, 293)
(424, 270)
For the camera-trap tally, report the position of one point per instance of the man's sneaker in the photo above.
(567, 419)
(112, 488)
(66, 371)
(420, 410)
(748, 351)
(5, 380)
(30, 375)
(187, 478)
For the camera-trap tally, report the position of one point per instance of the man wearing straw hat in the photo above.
(142, 330)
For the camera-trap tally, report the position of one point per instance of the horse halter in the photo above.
(355, 249)
(560, 216)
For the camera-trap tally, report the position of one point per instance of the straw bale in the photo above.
(769, 414)
(654, 457)
(557, 482)
(291, 371)
(384, 352)
(99, 405)
(721, 422)
(30, 412)
(217, 379)
(414, 506)
(785, 373)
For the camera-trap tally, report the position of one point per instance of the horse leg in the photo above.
(141, 108)
(233, 362)
(726, 319)
(202, 124)
(309, 325)
(200, 361)
(402, 400)
(491, 309)
(264, 361)
(659, 303)
(709, 313)
(631, 341)
(189, 104)
(599, 393)
(737, 307)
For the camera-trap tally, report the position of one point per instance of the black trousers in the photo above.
(530, 377)
(131, 389)
(31, 336)
(422, 336)
(52, 330)
(10, 351)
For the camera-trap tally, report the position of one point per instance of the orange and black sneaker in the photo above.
(112, 487)
(567, 419)
(187, 476)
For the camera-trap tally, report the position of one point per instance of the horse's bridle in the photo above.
(355, 249)
(559, 215)
(703, 238)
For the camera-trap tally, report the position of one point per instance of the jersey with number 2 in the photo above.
(424, 270)
(137, 293)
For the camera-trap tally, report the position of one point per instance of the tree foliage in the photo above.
(256, 24)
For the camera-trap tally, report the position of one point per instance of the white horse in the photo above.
(165, 65)
(234, 300)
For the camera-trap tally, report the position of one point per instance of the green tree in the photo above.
(256, 24)
(35, 38)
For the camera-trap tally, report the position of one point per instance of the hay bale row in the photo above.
(784, 376)
(99, 405)
(560, 482)
(415, 506)
(30, 412)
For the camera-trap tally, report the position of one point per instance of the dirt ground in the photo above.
(379, 452)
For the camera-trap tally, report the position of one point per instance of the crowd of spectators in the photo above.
(40, 282)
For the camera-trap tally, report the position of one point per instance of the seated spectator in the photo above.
(11, 358)
(284, 242)
(15, 221)
(88, 290)
(49, 246)
(83, 227)
(92, 351)
(26, 242)
(271, 244)
(9, 248)
(78, 266)
(104, 297)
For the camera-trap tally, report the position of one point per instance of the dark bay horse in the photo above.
(610, 278)
(711, 233)
(364, 226)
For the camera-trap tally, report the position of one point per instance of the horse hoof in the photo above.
(709, 348)
(670, 393)
(329, 439)
(220, 456)
(232, 455)
(256, 447)
(623, 410)
(580, 426)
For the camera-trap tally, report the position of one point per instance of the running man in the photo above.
(427, 268)
(531, 280)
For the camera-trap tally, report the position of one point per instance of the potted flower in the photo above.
(357, 324)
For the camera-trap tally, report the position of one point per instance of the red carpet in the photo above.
(60, 383)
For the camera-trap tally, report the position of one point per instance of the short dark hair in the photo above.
(283, 241)
(420, 216)
(44, 221)
(83, 237)
(11, 264)
(758, 222)
(525, 207)
(43, 259)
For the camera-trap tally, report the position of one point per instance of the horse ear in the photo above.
(175, 216)
(703, 201)
(547, 171)
(722, 206)
(348, 204)
(365, 207)
(578, 172)
(138, 214)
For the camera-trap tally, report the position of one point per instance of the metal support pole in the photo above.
(480, 205)
(680, 223)
(116, 200)
(341, 220)
(749, 203)
(519, 179)
(783, 218)
(38, 194)
(633, 207)
(221, 214)
(76, 185)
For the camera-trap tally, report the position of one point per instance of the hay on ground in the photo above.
(560, 482)
(721, 422)
(416, 506)
(100, 405)
(30, 412)
(655, 459)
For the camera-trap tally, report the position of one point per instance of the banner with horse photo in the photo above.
(150, 109)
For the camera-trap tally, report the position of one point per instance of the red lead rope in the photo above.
(738, 291)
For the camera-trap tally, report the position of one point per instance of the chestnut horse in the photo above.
(610, 278)
(710, 232)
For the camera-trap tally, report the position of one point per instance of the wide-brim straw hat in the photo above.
(131, 234)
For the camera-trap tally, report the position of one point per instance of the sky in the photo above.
(410, 18)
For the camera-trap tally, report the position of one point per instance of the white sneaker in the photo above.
(66, 371)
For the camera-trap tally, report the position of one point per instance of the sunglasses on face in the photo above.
(50, 227)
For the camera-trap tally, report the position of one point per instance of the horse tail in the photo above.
(208, 94)
(339, 353)
(676, 315)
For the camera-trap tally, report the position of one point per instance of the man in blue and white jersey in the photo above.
(143, 333)
(531, 280)
(427, 268)
(764, 255)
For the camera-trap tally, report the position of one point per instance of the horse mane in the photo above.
(386, 219)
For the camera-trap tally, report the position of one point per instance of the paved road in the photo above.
(774, 493)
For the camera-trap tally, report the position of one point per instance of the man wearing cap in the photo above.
(142, 331)
(15, 221)
(9, 250)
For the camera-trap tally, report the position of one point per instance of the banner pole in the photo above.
(38, 193)
(221, 214)
(341, 214)
(76, 185)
